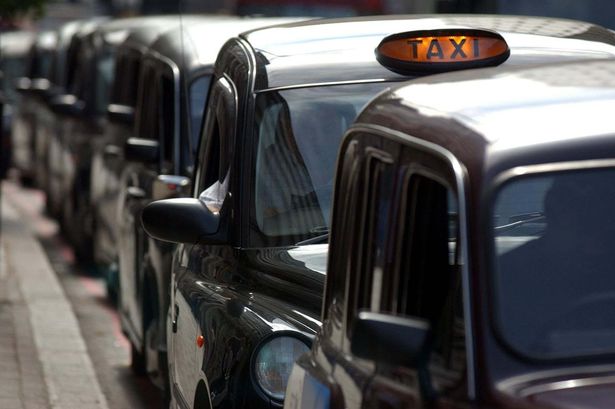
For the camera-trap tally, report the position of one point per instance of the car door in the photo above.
(419, 277)
(190, 287)
(133, 197)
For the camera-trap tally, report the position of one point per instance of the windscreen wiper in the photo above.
(320, 239)
(521, 219)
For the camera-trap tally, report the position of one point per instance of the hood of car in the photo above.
(570, 395)
(295, 273)
(580, 391)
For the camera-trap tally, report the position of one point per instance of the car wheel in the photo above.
(138, 363)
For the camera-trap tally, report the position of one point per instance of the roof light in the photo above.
(430, 51)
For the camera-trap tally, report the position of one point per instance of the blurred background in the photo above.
(48, 14)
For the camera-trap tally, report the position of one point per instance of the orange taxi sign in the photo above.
(441, 50)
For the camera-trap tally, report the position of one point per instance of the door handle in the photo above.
(134, 192)
(174, 319)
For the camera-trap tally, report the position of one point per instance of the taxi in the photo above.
(14, 47)
(82, 110)
(32, 87)
(249, 274)
(470, 259)
(47, 123)
(107, 155)
(155, 159)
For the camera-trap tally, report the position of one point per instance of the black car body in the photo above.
(84, 110)
(174, 77)
(247, 283)
(54, 123)
(440, 290)
(14, 48)
(108, 150)
(33, 87)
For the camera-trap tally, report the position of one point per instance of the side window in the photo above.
(198, 91)
(166, 118)
(146, 108)
(360, 223)
(394, 250)
(426, 276)
(216, 145)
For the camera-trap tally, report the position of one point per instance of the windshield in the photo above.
(555, 276)
(299, 132)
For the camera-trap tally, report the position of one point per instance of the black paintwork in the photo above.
(457, 141)
(24, 125)
(209, 279)
(167, 68)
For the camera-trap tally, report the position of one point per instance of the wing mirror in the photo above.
(170, 186)
(142, 150)
(123, 114)
(67, 104)
(388, 339)
(182, 221)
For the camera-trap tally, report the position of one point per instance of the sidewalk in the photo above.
(44, 362)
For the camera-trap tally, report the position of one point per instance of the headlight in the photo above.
(273, 363)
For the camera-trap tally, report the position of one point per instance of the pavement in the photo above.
(44, 361)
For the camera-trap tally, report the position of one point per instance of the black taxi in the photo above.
(174, 78)
(470, 259)
(107, 150)
(14, 47)
(82, 110)
(248, 277)
(32, 86)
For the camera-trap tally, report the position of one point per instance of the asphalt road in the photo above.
(99, 323)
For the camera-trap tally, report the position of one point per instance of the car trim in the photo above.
(332, 83)
(460, 176)
(516, 383)
(566, 384)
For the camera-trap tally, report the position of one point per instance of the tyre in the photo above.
(138, 363)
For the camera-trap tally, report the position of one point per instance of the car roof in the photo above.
(46, 40)
(16, 43)
(495, 118)
(185, 47)
(141, 37)
(331, 47)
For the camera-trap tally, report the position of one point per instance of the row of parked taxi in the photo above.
(303, 214)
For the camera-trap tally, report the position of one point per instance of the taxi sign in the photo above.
(441, 50)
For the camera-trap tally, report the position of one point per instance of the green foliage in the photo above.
(10, 9)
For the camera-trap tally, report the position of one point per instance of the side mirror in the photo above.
(388, 338)
(67, 104)
(170, 186)
(122, 114)
(23, 84)
(141, 150)
(182, 221)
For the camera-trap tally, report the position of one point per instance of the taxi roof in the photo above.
(495, 118)
(185, 46)
(16, 43)
(342, 50)
(46, 40)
